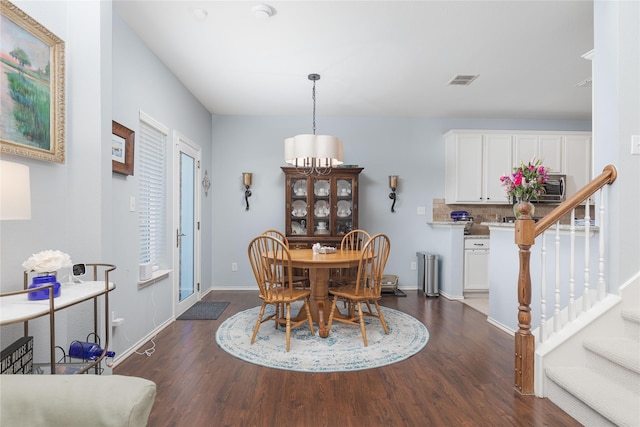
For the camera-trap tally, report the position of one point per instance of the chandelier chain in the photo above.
(313, 96)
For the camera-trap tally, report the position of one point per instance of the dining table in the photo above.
(319, 266)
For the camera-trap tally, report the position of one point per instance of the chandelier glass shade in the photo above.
(310, 153)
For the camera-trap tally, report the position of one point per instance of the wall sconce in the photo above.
(393, 184)
(246, 180)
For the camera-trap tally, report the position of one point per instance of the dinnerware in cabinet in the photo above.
(300, 187)
(321, 188)
(299, 208)
(344, 187)
(344, 208)
(296, 228)
(321, 209)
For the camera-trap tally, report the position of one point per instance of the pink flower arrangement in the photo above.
(526, 182)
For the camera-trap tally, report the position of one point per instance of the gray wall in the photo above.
(412, 148)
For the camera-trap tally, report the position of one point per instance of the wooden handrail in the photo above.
(526, 232)
(608, 176)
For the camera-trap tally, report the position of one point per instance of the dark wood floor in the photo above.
(463, 377)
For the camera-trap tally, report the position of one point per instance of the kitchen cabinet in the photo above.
(577, 164)
(476, 264)
(547, 147)
(475, 160)
(320, 208)
(474, 164)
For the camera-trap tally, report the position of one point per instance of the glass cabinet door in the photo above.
(344, 206)
(299, 206)
(321, 207)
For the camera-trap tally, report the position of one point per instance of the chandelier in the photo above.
(313, 154)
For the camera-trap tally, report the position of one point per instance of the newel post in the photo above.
(524, 340)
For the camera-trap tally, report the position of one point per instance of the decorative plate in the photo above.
(344, 208)
(300, 188)
(321, 188)
(344, 187)
(299, 208)
(296, 228)
(321, 209)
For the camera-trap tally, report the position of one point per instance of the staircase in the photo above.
(594, 376)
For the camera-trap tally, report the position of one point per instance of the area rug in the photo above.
(204, 310)
(342, 351)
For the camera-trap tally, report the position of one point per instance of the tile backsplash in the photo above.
(494, 213)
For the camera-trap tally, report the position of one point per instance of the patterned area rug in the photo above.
(342, 351)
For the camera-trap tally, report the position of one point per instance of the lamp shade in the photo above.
(302, 150)
(15, 191)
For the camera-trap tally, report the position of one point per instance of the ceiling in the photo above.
(376, 58)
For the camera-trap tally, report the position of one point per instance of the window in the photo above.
(152, 196)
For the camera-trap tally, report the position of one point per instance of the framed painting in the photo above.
(31, 87)
(122, 139)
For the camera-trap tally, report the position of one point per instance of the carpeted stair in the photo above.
(606, 390)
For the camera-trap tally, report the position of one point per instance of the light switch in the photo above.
(132, 204)
(421, 210)
(635, 144)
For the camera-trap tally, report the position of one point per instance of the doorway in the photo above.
(187, 250)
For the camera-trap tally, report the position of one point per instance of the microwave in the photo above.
(554, 189)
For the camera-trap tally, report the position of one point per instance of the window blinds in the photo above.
(152, 209)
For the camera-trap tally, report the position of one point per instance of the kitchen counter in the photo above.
(552, 229)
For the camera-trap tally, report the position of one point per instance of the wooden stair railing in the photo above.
(526, 232)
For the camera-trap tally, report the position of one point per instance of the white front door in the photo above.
(187, 230)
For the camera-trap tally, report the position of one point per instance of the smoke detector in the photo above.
(262, 11)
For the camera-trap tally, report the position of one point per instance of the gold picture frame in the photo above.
(122, 140)
(32, 84)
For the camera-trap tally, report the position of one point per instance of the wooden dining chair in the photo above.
(366, 289)
(299, 280)
(271, 263)
(353, 240)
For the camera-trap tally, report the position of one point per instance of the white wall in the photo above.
(616, 111)
(67, 199)
(142, 83)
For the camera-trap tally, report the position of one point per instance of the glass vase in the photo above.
(523, 207)
(39, 282)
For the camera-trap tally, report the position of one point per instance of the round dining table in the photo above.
(319, 266)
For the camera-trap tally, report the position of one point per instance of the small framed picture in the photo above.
(122, 140)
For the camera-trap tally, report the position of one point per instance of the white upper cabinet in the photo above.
(476, 159)
(474, 164)
(546, 147)
(577, 164)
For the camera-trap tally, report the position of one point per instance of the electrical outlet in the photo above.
(132, 204)
(421, 210)
(234, 266)
(414, 266)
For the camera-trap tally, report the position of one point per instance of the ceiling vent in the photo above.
(462, 80)
(586, 83)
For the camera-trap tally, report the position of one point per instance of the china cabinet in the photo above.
(320, 208)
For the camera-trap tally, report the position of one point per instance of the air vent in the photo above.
(462, 80)
(586, 83)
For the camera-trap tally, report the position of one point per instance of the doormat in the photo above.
(396, 293)
(204, 310)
